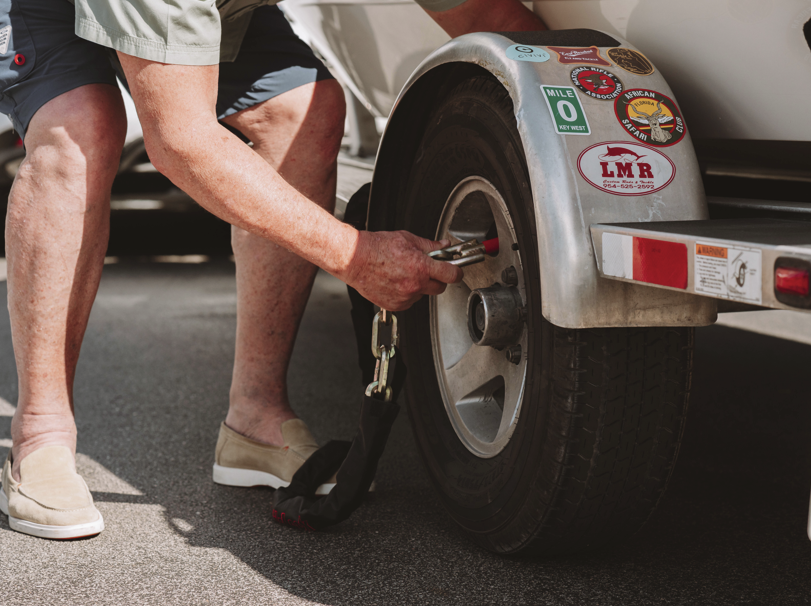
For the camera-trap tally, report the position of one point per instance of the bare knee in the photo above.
(326, 117)
(77, 138)
(73, 145)
(304, 125)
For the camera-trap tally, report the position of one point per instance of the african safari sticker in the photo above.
(631, 61)
(590, 55)
(626, 169)
(522, 52)
(651, 117)
(727, 272)
(597, 83)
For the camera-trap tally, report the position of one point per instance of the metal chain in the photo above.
(464, 253)
(380, 387)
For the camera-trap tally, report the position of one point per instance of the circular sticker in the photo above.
(522, 52)
(651, 117)
(625, 169)
(597, 83)
(631, 61)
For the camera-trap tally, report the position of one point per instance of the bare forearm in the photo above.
(227, 178)
(487, 16)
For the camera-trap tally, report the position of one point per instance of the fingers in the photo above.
(426, 245)
(445, 272)
(432, 288)
(397, 307)
(438, 270)
(435, 287)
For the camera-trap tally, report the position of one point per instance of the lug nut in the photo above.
(514, 354)
(509, 276)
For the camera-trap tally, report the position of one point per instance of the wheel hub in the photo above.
(494, 316)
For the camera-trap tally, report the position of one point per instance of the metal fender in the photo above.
(610, 165)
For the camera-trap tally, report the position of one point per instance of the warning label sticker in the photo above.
(729, 273)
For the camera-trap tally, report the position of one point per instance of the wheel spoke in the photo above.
(475, 370)
(484, 274)
(454, 338)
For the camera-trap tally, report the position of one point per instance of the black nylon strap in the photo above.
(356, 462)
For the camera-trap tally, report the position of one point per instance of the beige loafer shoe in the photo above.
(51, 500)
(240, 461)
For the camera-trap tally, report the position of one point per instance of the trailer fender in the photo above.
(581, 98)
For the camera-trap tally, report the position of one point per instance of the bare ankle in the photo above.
(32, 432)
(260, 422)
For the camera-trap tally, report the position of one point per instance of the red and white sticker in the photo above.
(645, 260)
(729, 272)
(589, 56)
(624, 168)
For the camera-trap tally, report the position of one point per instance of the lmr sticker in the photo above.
(729, 273)
(625, 169)
(566, 110)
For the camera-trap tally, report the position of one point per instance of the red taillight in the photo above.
(791, 281)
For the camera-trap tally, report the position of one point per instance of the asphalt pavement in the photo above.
(152, 389)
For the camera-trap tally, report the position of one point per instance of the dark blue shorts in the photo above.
(43, 59)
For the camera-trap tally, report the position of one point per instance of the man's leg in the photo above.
(299, 134)
(56, 237)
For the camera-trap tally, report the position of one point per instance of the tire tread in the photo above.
(619, 403)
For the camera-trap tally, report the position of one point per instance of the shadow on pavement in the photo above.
(731, 528)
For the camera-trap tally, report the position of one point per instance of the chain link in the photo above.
(380, 387)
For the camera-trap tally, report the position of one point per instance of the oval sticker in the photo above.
(522, 52)
(626, 169)
(631, 61)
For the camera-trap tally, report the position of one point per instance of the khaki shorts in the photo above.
(44, 59)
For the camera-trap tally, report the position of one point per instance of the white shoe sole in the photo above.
(45, 531)
(247, 478)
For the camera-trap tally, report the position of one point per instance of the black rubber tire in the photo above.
(603, 410)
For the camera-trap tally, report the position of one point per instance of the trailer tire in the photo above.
(601, 415)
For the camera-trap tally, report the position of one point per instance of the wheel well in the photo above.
(404, 133)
